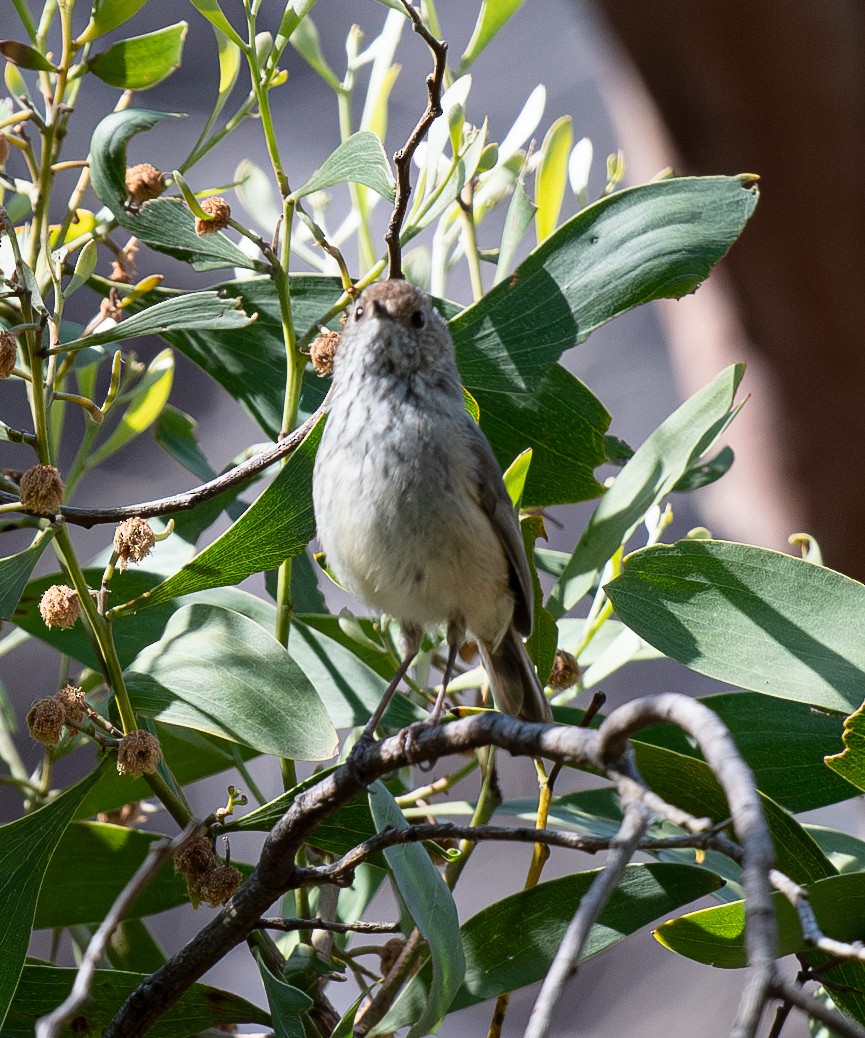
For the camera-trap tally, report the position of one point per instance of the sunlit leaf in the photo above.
(141, 61)
(552, 176)
(305, 41)
(107, 16)
(492, 17)
(214, 14)
(359, 159)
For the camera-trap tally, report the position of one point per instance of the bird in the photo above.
(411, 510)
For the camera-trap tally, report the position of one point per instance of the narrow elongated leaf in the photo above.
(645, 480)
(26, 846)
(361, 160)
(141, 61)
(71, 895)
(492, 16)
(278, 525)
(511, 943)
(214, 14)
(218, 672)
(432, 908)
(200, 1007)
(197, 310)
(551, 177)
(15, 571)
(25, 56)
(754, 617)
(107, 16)
(305, 40)
(520, 212)
(288, 1004)
(165, 224)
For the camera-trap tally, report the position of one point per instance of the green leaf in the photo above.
(492, 16)
(84, 267)
(512, 943)
(141, 61)
(644, 481)
(750, 616)
(213, 13)
(26, 847)
(850, 762)
(275, 527)
(72, 895)
(218, 672)
(146, 402)
(288, 1004)
(716, 936)
(175, 432)
(196, 310)
(707, 472)
(25, 56)
(521, 210)
(200, 1007)
(361, 160)
(15, 571)
(305, 40)
(107, 16)
(431, 906)
(163, 223)
(551, 177)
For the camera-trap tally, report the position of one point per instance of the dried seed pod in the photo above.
(138, 754)
(60, 607)
(42, 490)
(45, 721)
(133, 540)
(219, 212)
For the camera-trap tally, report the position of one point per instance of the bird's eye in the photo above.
(418, 319)
(358, 313)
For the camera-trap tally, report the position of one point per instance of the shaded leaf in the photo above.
(218, 672)
(521, 210)
(196, 310)
(361, 160)
(750, 616)
(43, 988)
(305, 40)
(141, 61)
(288, 1004)
(706, 472)
(15, 571)
(26, 847)
(276, 526)
(644, 481)
(165, 224)
(25, 56)
(431, 906)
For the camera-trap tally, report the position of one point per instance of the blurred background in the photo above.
(772, 88)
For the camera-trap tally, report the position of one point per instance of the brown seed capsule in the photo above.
(217, 885)
(219, 212)
(8, 353)
(138, 754)
(390, 952)
(41, 490)
(195, 858)
(72, 701)
(45, 721)
(566, 671)
(144, 182)
(4, 150)
(322, 351)
(60, 607)
(133, 541)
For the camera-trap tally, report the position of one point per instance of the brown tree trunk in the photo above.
(777, 88)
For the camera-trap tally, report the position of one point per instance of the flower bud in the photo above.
(138, 754)
(566, 671)
(45, 721)
(322, 351)
(219, 212)
(133, 541)
(60, 607)
(217, 885)
(144, 182)
(41, 490)
(71, 699)
(8, 353)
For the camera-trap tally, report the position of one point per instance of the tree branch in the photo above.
(402, 158)
(597, 749)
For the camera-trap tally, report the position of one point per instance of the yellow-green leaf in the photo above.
(107, 16)
(552, 176)
(141, 61)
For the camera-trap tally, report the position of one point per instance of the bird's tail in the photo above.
(515, 685)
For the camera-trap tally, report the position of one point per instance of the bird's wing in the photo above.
(494, 501)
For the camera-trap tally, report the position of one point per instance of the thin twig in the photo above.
(51, 1025)
(564, 965)
(89, 517)
(402, 158)
(835, 1021)
(288, 925)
